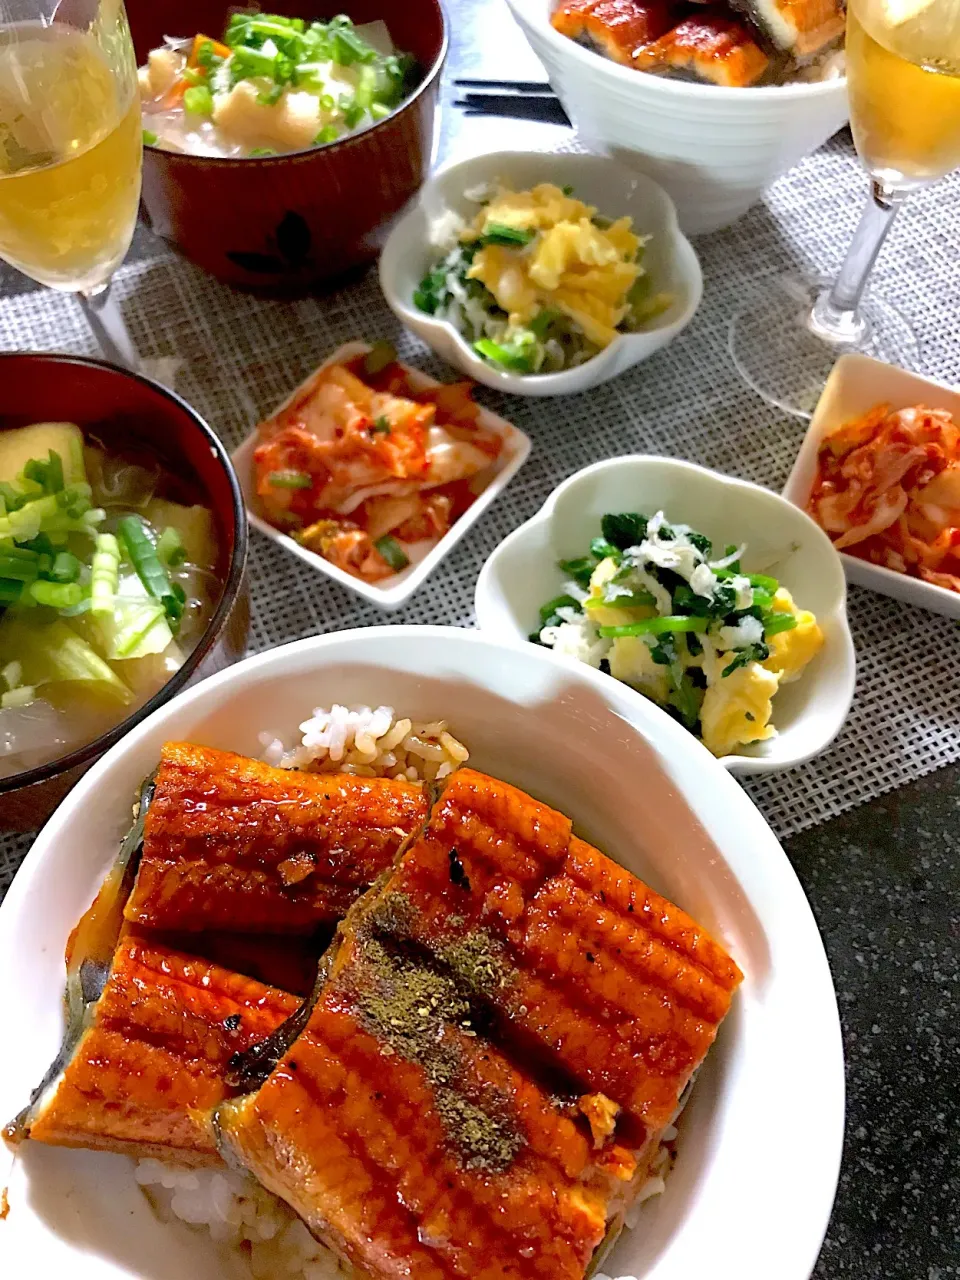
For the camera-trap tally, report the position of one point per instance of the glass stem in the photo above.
(836, 314)
(106, 320)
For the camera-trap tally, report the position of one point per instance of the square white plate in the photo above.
(392, 592)
(855, 385)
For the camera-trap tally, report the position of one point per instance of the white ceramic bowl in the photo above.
(713, 149)
(615, 191)
(522, 574)
(390, 593)
(761, 1140)
(856, 384)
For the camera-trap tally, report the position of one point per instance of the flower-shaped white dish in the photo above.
(523, 573)
(756, 1171)
(856, 384)
(614, 190)
(392, 592)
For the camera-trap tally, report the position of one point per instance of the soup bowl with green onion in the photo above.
(280, 145)
(122, 547)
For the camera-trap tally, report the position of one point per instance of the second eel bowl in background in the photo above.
(132, 416)
(282, 223)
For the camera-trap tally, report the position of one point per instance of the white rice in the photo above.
(242, 1217)
(371, 742)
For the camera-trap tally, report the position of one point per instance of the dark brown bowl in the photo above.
(281, 224)
(139, 413)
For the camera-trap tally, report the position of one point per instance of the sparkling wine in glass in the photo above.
(70, 150)
(903, 77)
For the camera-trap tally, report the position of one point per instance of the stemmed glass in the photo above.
(903, 74)
(71, 151)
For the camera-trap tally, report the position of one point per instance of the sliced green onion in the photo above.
(776, 622)
(290, 480)
(656, 626)
(143, 556)
(170, 548)
(392, 552)
(198, 100)
(379, 110)
(19, 568)
(56, 595)
(10, 591)
(381, 425)
(105, 574)
(329, 133)
(519, 359)
(510, 237)
(150, 139)
(258, 153)
(65, 568)
(548, 610)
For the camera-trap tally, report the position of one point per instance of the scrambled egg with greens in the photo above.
(538, 281)
(653, 605)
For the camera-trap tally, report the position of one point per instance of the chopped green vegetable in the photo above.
(519, 355)
(627, 529)
(686, 698)
(580, 570)
(548, 611)
(65, 567)
(656, 626)
(510, 237)
(104, 574)
(379, 110)
(136, 629)
(774, 623)
(290, 479)
(150, 139)
(258, 153)
(56, 595)
(567, 190)
(198, 100)
(752, 653)
(381, 425)
(604, 550)
(170, 547)
(132, 533)
(329, 133)
(392, 552)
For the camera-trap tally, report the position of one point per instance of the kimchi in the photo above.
(361, 463)
(887, 490)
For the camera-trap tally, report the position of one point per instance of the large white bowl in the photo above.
(713, 149)
(522, 573)
(615, 190)
(760, 1144)
(856, 384)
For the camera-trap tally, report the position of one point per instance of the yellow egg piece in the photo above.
(631, 661)
(736, 708)
(790, 651)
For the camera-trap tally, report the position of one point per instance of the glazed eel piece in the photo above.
(152, 1057)
(233, 844)
(507, 1025)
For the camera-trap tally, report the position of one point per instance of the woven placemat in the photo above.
(234, 357)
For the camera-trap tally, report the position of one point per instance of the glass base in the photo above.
(783, 354)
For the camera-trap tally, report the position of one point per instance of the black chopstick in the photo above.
(518, 86)
(517, 106)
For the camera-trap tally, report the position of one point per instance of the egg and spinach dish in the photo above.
(656, 607)
(538, 281)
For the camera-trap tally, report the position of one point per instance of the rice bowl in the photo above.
(554, 731)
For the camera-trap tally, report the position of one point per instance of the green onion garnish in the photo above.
(143, 556)
(104, 574)
(289, 480)
(509, 237)
(170, 548)
(392, 552)
(198, 100)
(56, 595)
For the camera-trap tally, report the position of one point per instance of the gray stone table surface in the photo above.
(884, 884)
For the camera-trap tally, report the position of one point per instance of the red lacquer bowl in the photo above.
(135, 413)
(280, 224)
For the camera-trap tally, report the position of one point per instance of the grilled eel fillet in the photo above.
(800, 27)
(708, 45)
(507, 1026)
(151, 1062)
(233, 844)
(617, 28)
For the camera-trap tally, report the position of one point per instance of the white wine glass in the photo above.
(71, 151)
(903, 76)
